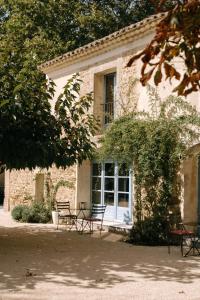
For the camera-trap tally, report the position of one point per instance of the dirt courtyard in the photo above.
(38, 262)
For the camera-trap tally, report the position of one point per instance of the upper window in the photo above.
(109, 88)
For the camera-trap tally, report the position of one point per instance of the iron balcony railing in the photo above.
(108, 112)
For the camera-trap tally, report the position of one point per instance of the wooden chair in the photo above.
(64, 213)
(97, 215)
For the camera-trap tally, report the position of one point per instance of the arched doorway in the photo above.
(2, 185)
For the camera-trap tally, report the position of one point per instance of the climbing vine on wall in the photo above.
(155, 144)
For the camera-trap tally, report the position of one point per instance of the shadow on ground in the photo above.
(29, 256)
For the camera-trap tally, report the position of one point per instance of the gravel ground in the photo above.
(41, 263)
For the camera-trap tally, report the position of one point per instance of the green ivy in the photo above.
(52, 189)
(155, 143)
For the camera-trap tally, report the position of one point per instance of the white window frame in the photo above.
(116, 191)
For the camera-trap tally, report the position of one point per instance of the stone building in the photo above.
(102, 67)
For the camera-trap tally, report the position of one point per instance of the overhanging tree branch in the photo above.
(177, 36)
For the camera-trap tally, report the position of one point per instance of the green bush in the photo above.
(26, 214)
(151, 231)
(38, 212)
(17, 212)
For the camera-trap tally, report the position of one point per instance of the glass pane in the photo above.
(109, 97)
(96, 197)
(123, 200)
(109, 87)
(109, 169)
(109, 198)
(123, 184)
(96, 183)
(123, 170)
(96, 169)
(109, 184)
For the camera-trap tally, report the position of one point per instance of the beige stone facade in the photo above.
(93, 62)
(22, 187)
(191, 186)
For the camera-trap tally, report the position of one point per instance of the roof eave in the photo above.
(131, 31)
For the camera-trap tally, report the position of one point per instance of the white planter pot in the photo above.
(55, 217)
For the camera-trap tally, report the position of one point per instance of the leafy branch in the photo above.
(177, 38)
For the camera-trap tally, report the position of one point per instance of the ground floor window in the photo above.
(111, 185)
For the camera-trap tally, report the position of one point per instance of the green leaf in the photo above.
(158, 77)
(3, 102)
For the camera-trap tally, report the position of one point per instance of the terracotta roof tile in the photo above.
(133, 28)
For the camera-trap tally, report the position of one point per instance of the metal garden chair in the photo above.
(178, 234)
(96, 215)
(64, 213)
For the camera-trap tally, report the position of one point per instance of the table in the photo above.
(81, 214)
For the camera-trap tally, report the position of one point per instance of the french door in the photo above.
(111, 186)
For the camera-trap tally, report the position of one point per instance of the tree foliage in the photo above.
(31, 135)
(53, 27)
(30, 33)
(177, 37)
(98, 18)
(155, 144)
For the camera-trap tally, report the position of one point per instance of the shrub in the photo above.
(40, 213)
(151, 231)
(17, 212)
(36, 213)
(26, 214)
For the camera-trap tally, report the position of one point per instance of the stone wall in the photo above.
(190, 170)
(127, 86)
(190, 190)
(22, 186)
(64, 193)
